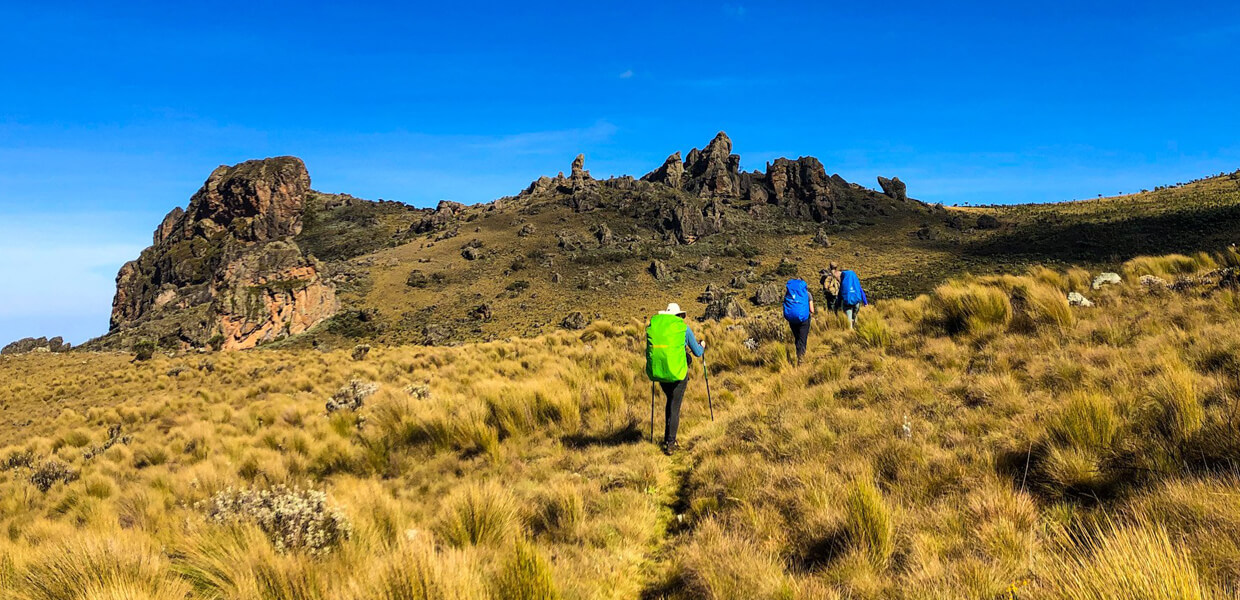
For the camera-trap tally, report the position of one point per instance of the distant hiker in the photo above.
(668, 342)
(798, 309)
(829, 279)
(851, 297)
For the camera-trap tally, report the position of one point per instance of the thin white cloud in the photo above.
(628, 74)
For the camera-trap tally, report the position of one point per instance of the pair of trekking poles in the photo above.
(709, 401)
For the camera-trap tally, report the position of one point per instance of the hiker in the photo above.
(668, 343)
(798, 311)
(851, 297)
(829, 279)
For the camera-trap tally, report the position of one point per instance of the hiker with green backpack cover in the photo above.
(668, 343)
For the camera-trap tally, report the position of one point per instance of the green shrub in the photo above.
(144, 350)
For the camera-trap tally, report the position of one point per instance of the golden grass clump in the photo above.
(526, 576)
(103, 566)
(970, 308)
(478, 515)
(1122, 562)
(1169, 266)
(871, 529)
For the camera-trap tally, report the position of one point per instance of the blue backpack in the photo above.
(850, 289)
(796, 301)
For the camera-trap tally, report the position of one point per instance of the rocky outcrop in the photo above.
(445, 214)
(40, 344)
(575, 321)
(270, 293)
(723, 306)
(894, 188)
(801, 187)
(168, 225)
(714, 171)
(229, 259)
(256, 200)
(670, 174)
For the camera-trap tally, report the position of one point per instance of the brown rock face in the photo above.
(256, 200)
(229, 260)
(271, 292)
(670, 174)
(801, 187)
(169, 224)
(713, 171)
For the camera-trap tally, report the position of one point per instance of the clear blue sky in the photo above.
(112, 115)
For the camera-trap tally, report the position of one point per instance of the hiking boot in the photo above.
(670, 448)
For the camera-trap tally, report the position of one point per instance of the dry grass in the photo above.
(983, 441)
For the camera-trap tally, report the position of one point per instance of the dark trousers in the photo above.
(800, 334)
(675, 392)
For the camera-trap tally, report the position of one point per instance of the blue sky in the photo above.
(112, 115)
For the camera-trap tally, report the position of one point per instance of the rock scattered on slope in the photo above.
(894, 188)
(722, 307)
(1153, 282)
(1106, 279)
(768, 294)
(40, 344)
(658, 269)
(1077, 299)
(574, 321)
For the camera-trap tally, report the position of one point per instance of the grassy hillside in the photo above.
(985, 440)
(538, 260)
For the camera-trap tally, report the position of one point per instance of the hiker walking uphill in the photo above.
(798, 311)
(668, 342)
(852, 296)
(829, 279)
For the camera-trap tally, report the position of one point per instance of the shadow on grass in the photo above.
(1118, 240)
(631, 433)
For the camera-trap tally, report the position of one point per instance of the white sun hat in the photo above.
(673, 309)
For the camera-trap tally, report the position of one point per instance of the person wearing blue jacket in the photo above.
(799, 311)
(852, 296)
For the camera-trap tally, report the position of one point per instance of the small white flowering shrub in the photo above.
(294, 519)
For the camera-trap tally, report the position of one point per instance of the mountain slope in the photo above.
(570, 249)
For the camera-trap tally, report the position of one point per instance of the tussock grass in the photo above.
(869, 523)
(526, 576)
(969, 308)
(1137, 561)
(478, 515)
(1169, 266)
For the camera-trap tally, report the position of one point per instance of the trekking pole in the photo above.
(651, 412)
(706, 374)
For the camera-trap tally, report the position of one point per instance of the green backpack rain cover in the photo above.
(665, 349)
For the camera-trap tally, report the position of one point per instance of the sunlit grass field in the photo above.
(986, 440)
